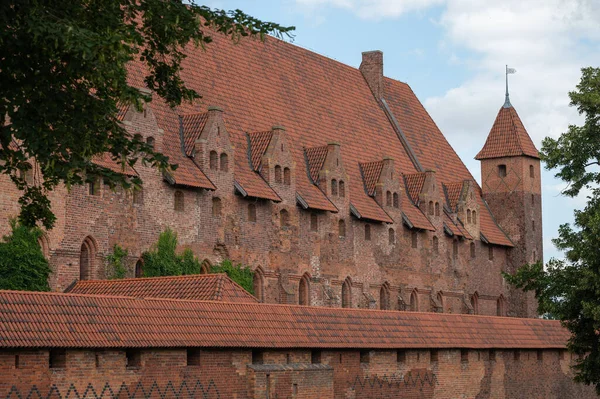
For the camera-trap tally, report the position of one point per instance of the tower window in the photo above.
(531, 171)
(469, 216)
(367, 232)
(533, 225)
(138, 196)
(365, 356)
(193, 357)
(532, 199)
(502, 170)
(94, 187)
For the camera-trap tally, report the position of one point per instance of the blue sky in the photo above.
(453, 52)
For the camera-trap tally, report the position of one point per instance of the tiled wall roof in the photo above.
(202, 287)
(191, 127)
(508, 137)
(259, 141)
(31, 319)
(371, 172)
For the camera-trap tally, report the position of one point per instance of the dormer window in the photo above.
(342, 189)
(469, 216)
(388, 198)
(396, 201)
(224, 162)
(502, 170)
(287, 177)
(277, 174)
(334, 187)
(431, 208)
(437, 209)
(214, 160)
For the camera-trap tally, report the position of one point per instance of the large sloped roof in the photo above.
(202, 287)
(57, 320)
(508, 137)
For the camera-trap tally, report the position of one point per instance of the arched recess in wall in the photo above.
(258, 283)
(388, 198)
(384, 296)
(278, 174)
(284, 218)
(87, 257)
(347, 293)
(414, 301)
(501, 306)
(139, 268)
(475, 302)
(224, 162)
(205, 267)
(304, 290)
(44, 244)
(440, 299)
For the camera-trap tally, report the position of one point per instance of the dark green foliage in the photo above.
(117, 262)
(64, 76)
(22, 262)
(569, 289)
(241, 275)
(162, 259)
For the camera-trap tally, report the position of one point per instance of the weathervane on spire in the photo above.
(507, 103)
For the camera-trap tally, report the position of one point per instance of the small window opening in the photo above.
(251, 212)
(94, 187)
(365, 356)
(342, 189)
(277, 174)
(474, 217)
(492, 355)
(138, 196)
(178, 203)
(284, 218)
(342, 229)
(216, 206)
(491, 253)
(314, 222)
(532, 199)
(464, 355)
(17, 361)
(400, 356)
(455, 249)
(287, 176)
(531, 171)
(294, 389)
(334, 188)
(57, 359)
(396, 201)
(414, 238)
(391, 237)
(437, 209)
(533, 225)
(433, 356)
(388, 198)
(502, 170)
(214, 160)
(431, 208)
(367, 232)
(193, 357)
(224, 162)
(315, 357)
(436, 247)
(133, 359)
(540, 355)
(472, 249)
(288, 358)
(150, 142)
(257, 357)
(97, 360)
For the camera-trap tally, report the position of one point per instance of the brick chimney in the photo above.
(372, 69)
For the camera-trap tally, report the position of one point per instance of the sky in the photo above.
(453, 54)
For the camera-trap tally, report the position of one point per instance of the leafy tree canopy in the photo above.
(163, 260)
(22, 262)
(569, 289)
(64, 75)
(244, 276)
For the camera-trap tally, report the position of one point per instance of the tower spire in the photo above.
(507, 103)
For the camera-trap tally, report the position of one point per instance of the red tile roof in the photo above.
(105, 161)
(414, 185)
(201, 287)
(42, 320)
(315, 158)
(122, 110)
(191, 126)
(415, 215)
(508, 137)
(371, 172)
(453, 191)
(259, 141)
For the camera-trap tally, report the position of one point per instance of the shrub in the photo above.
(116, 262)
(162, 260)
(242, 275)
(23, 265)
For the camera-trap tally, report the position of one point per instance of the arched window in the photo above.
(384, 297)
(436, 245)
(437, 209)
(87, 257)
(440, 299)
(430, 208)
(414, 239)
(214, 160)
(216, 206)
(455, 249)
(258, 284)
(334, 188)
(367, 232)
(388, 198)
(391, 237)
(150, 142)
(205, 267)
(44, 244)
(251, 212)
(314, 222)
(475, 303)
(469, 216)
(277, 174)
(139, 268)
(284, 218)
(472, 249)
(474, 217)
(342, 189)
(178, 201)
(414, 301)
(502, 170)
(342, 228)
(531, 171)
(287, 176)
(396, 201)
(500, 306)
(304, 291)
(347, 294)
(224, 165)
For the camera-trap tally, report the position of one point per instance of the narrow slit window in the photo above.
(502, 170)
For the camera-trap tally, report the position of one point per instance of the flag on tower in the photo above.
(511, 70)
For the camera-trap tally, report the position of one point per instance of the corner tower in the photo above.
(511, 186)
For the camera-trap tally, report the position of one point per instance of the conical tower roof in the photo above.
(508, 137)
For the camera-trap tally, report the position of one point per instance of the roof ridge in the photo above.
(153, 278)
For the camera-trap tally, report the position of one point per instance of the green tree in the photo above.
(117, 262)
(569, 289)
(163, 260)
(64, 76)
(23, 265)
(244, 276)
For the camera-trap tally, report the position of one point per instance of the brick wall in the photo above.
(295, 374)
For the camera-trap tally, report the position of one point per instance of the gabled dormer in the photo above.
(461, 199)
(142, 124)
(326, 170)
(204, 138)
(271, 157)
(382, 183)
(424, 192)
